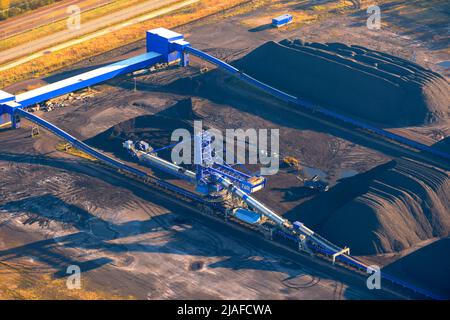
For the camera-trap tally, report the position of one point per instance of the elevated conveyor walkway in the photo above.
(87, 79)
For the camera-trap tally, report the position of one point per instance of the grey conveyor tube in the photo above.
(252, 202)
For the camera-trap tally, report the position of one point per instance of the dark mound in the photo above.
(443, 145)
(386, 209)
(427, 268)
(155, 129)
(355, 80)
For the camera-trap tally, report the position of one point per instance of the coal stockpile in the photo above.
(387, 209)
(155, 129)
(354, 80)
(426, 267)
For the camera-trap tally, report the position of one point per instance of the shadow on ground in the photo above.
(94, 233)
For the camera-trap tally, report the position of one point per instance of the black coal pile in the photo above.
(354, 80)
(156, 129)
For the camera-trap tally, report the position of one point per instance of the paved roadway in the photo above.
(105, 25)
(45, 15)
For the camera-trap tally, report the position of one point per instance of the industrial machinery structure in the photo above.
(213, 180)
(220, 190)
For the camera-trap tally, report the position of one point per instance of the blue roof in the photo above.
(181, 43)
(247, 216)
(5, 96)
(166, 34)
(86, 79)
(282, 17)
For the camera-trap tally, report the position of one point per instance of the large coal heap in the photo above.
(411, 267)
(386, 209)
(153, 128)
(354, 80)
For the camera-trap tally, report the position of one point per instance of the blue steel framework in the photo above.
(208, 167)
(169, 48)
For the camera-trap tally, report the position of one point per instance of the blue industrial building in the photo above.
(282, 20)
(247, 216)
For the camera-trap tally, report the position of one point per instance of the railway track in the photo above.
(320, 260)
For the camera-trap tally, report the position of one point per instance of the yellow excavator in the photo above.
(292, 162)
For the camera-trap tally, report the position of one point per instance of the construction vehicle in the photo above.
(292, 162)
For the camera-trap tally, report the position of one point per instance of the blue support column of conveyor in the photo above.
(5, 116)
(312, 107)
(8, 108)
